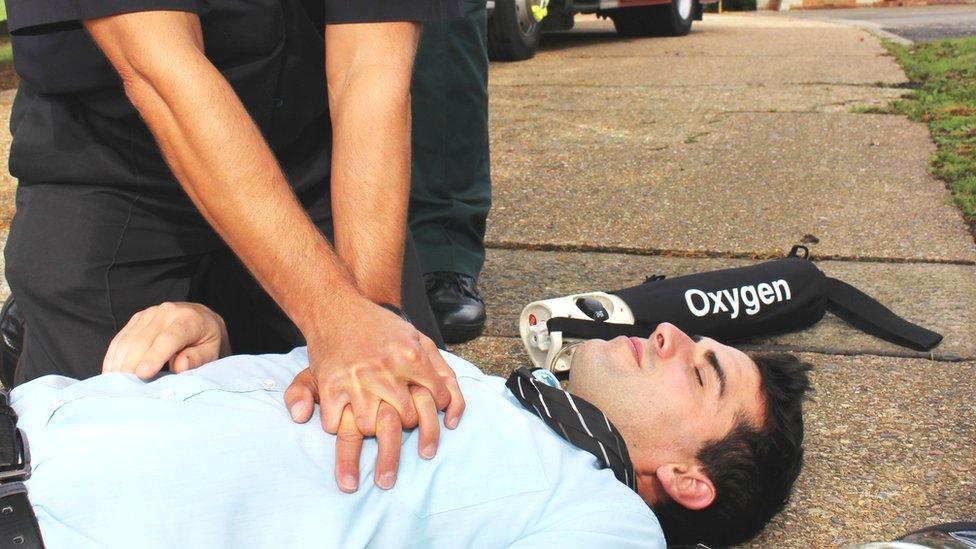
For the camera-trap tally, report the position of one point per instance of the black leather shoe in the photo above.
(11, 341)
(457, 306)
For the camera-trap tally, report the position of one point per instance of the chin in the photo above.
(589, 368)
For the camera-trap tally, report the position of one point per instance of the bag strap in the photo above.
(865, 313)
(868, 315)
(578, 328)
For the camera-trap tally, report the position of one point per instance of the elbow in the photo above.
(132, 81)
(148, 48)
(138, 89)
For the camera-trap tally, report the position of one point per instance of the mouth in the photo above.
(636, 348)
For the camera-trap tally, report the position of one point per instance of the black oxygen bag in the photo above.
(729, 305)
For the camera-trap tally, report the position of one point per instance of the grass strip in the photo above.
(6, 54)
(944, 77)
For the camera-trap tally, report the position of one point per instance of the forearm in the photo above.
(369, 96)
(221, 160)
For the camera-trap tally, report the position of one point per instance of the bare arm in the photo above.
(368, 70)
(221, 160)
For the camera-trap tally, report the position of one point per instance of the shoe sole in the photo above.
(460, 334)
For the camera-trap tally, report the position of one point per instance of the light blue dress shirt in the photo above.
(210, 458)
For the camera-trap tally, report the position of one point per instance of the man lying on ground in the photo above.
(714, 439)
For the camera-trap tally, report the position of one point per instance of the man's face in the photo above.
(668, 394)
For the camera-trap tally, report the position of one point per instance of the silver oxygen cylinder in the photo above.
(551, 350)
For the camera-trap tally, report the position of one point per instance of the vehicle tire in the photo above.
(513, 33)
(672, 19)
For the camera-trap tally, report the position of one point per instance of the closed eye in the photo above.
(699, 376)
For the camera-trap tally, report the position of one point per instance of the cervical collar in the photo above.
(551, 350)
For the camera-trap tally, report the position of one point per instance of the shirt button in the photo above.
(269, 384)
(167, 394)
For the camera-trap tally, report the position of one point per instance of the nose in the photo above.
(668, 340)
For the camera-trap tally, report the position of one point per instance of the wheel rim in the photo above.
(523, 14)
(684, 8)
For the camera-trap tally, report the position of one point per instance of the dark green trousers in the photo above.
(451, 180)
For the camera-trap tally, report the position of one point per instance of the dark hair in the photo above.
(753, 468)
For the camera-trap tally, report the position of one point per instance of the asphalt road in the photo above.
(914, 24)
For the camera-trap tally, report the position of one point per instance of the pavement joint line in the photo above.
(837, 351)
(720, 112)
(710, 254)
(876, 84)
(708, 56)
(883, 85)
(828, 351)
(811, 110)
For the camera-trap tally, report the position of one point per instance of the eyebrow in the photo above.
(713, 361)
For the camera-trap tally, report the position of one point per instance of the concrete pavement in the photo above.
(661, 128)
(614, 159)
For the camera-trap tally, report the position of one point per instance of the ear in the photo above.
(687, 485)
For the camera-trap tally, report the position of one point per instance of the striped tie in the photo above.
(577, 421)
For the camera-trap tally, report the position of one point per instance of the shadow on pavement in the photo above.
(556, 41)
(582, 37)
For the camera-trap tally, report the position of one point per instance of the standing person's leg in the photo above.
(451, 183)
(81, 259)
(413, 296)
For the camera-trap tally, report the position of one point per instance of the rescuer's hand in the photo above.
(349, 441)
(376, 358)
